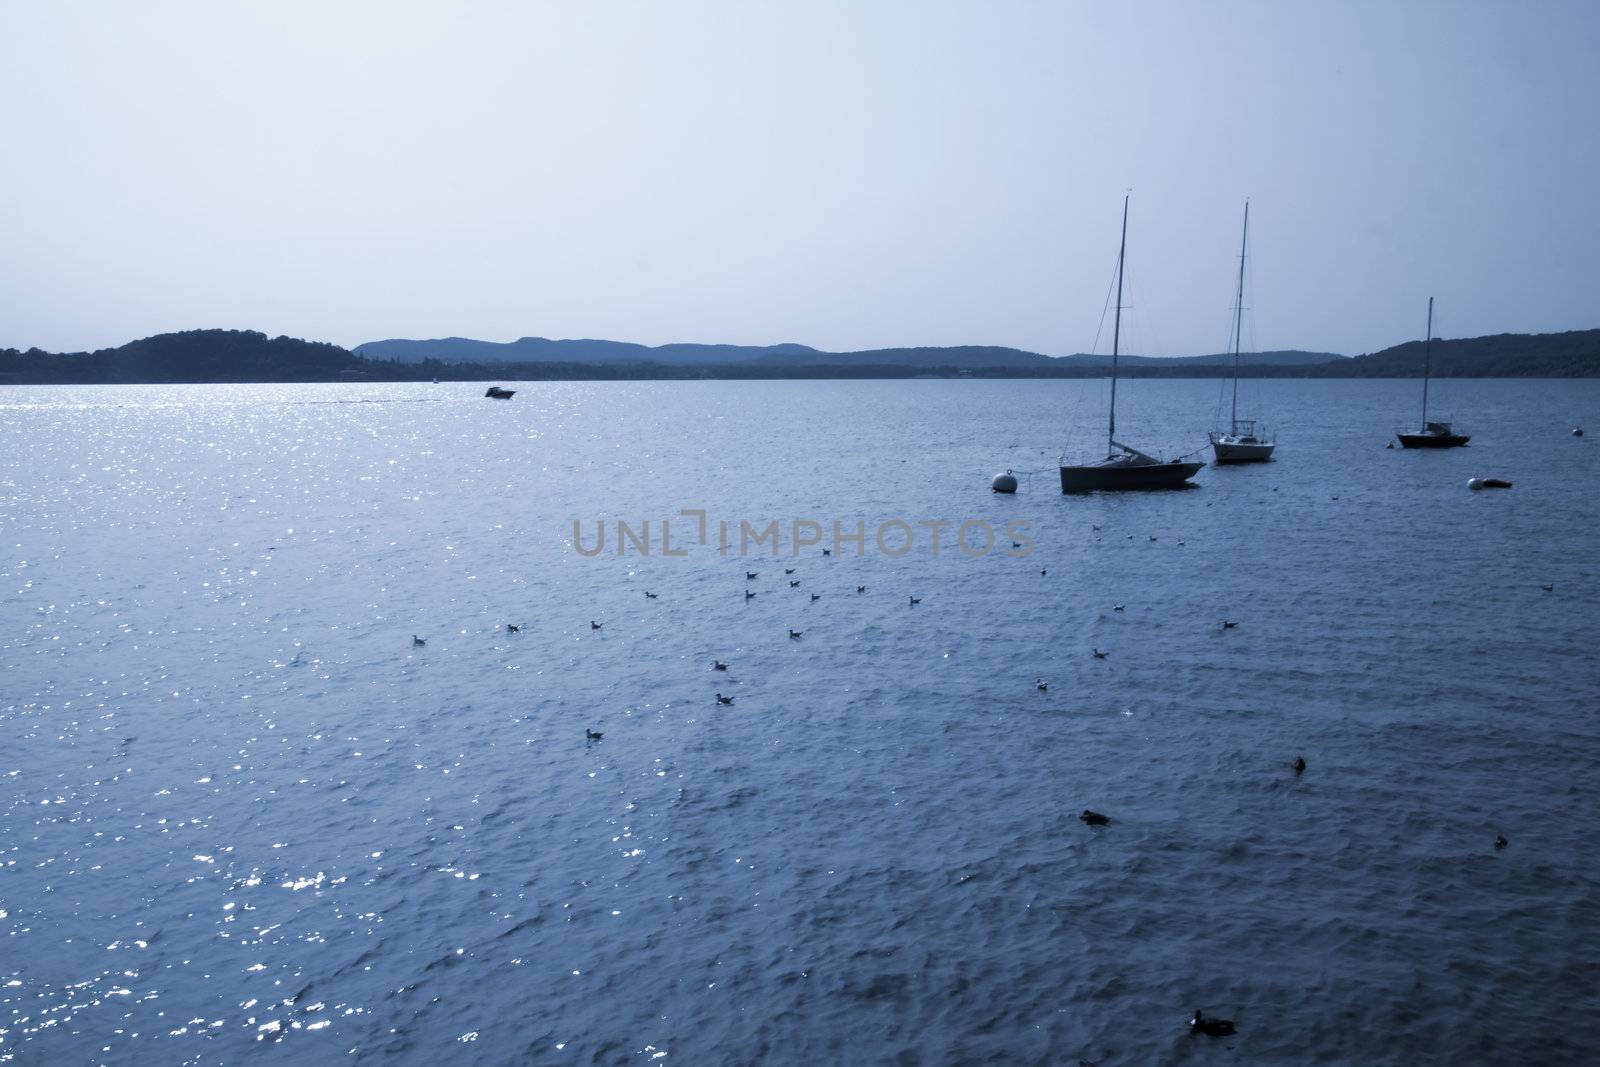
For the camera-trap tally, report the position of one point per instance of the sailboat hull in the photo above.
(1233, 452)
(1433, 440)
(1121, 476)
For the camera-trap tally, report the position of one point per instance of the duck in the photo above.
(417, 642)
(513, 628)
(1299, 764)
(1116, 607)
(748, 595)
(788, 570)
(861, 589)
(1042, 686)
(794, 584)
(1099, 654)
(1500, 842)
(724, 700)
(1016, 544)
(815, 597)
(1093, 818)
(718, 665)
(915, 601)
(1549, 588)
(827, 552)
(592, 735)
(649, 595)
(1210, 1027)
(750, 575)
(1043, 571)
(594, 625)
(1228, 625)
(794, 635)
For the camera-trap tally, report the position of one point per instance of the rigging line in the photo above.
(1110, 285)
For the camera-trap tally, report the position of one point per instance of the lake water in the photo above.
(243, 818)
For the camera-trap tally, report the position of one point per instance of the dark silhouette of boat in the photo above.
(500, 394)
(1439, 433)
(1124, 467)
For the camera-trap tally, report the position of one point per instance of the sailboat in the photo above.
(1124, 467)
(1433, 434)
(1241, 444)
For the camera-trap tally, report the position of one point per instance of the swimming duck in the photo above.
(1299, 764)
(718, 665)
(593, 625)
(794, 584)
(1116, 607)
(1093, 818)
(1226, 625)
(592, 735)
(1099, 654)
(1500, 842)
(649, 595)
(816, 597)
(417, 642)
(1042, 686)
(513, 628)
(1211, 1027)
(794, 635)
(788, 570)
(827, 552)
(748, 595)
(1548, 588)
(724, 700)
(861, 589)
(915, 601)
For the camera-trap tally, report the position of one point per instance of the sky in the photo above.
(844, 175)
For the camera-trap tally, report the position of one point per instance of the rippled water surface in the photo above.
(242, 816)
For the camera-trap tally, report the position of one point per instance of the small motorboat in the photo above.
(497, 393)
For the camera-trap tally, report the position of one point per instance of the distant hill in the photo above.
(250, 356)
(544, 350)
(1574, 354)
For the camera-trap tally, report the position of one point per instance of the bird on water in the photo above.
(1098, 654)
(861, 589)
(724, 700)
(794, 635)
(915, 601)
(1042, 685)
(593, 625)
(1299, 764)
(1094, 818)
(794, 584)
(788, 570)
(1210, 1027)
(1548, 588)
(749, 575)
(592, 735)
(1500, 842)
(816, 597)
(417, 642)
(649, 595)
(513, 628)
(1227, 625)
(718, 665)
(748, 595)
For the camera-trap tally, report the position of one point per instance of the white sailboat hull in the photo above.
(1231, 449)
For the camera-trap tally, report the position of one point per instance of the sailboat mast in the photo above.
(1238, 319)
(1427, 351)
(1116, 330)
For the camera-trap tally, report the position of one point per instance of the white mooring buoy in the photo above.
(1004, 483)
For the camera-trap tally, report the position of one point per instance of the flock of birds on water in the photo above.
(1200, 1023)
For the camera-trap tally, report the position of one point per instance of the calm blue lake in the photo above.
(243, 816)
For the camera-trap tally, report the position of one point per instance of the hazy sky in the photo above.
(846, 175)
